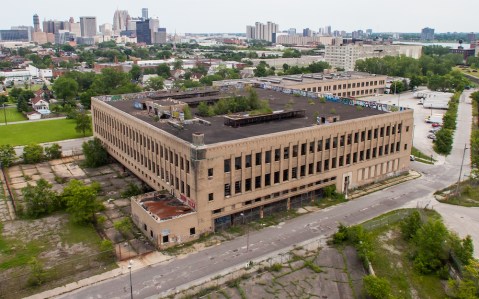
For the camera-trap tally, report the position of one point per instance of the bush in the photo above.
(53, 152)
(95, 153)
(376, 287)
(131, 190)
(443, 143)
(33, 153)
(276, 267)
(410, 225)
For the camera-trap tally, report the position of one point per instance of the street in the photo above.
(153, 280)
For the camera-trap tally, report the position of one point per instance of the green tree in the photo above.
(468, 286)
(37, 273)
(124, 226)
(65, 89)
(32, 153)
(443, 143)
(475, 98)
(203, 109)
(83, 123)
(430, 241)
(410, 225)
(154, 83)
(81, 201)
(135, 72)
(261, 70)
(291, 53)
(178, 64)
(53, 151)
(95, 153)
(7, 155)
(376, 287)
(40, 200)
(163, 70)
(112, 81)
(187, 112)
(3, 99)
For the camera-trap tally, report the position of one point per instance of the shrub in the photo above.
(53, 152)
(95, 153)
(276, 267)
(131, 190)
(33, 153)
(410, 225)
(376, 287)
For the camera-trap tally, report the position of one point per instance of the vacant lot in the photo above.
(39, 132)
(12, 115)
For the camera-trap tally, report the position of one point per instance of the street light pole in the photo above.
(247, 232)
(131, 285)
(460, 171)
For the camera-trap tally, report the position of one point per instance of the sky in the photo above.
(197, 16)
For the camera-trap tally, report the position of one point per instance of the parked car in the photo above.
(412, 158)
(431, 136)
(435, 125)
(434, 130)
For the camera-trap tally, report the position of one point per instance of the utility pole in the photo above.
(130, 264)
(460, 171)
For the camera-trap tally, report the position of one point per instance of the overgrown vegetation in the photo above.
(95, 153)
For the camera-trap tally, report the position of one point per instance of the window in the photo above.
(302, 170)
(381, 132)
(277, 155)
(247, 185)
(276, 177)
(227, 190)
(361, 156)
(192, 231)
(393, 128)
(295, 151)
(311, 147)
(303, 149)
(258, 159)
(248, 161)
(286, 153)
(355, 157)
(182, 166)
(165, 239)
(267, 156)
(380, 151)
(285, 175)
(310, 168)
(363, 135)
(407, 128)
(237, 163)
(375, 133)
(267, 179)
(257, 182)
(334, 163)
(349, 139)
(320, 145)
(368, 154)
(294, 173)
(356, 137)
(238, 187)
(369, 134)
(217, 211)
(318, 166)
(341, 161)
(210, 172)
(211, 197)
(227, 165)
(326, 146)
(398, 146)
(348, 159)
(341, 141)
(387, 130)
(405, 146)
(335, 142)
(326, 165)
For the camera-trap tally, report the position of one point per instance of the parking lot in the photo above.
(421, 128)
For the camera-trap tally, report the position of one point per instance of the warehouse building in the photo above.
(213, 172)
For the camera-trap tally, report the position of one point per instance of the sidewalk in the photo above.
(412, 175)
(137, 264)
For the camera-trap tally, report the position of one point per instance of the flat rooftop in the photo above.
(293, 80)
(161, 206)
(215, 130)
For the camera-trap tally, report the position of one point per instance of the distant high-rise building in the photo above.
(120, 20)
(88, 26)
(427, 33)
(16, 34)
(327, 30)
(250, 32)
(471, 37)
(36, 23)
(369, 32)
(106, 29)
(292, 31)
(144, 13)
(75, 28)
(307, 32)
(161, 36)
(264, 31)
(63, 37)
(147, 31)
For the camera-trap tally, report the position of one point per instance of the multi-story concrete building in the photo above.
(88, 26)
(120, 20)
(227, 167)
(260, 31)
(427, 34)
(250, 32)
(343, 84)
(345, 56)
(304, 40)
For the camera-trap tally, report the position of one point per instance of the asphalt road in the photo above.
(156, 279)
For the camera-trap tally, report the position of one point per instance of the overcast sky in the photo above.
(233, 16)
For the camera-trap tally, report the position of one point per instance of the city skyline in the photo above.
(219, 16)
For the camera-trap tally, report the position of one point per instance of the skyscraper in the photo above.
(88, 26)
(120, 20)
(147, 31)
(307, 32)
(36, 23)
(144, 13)
(250, 30)
(427, 33)
(264, 31)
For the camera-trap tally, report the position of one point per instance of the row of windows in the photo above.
(344, 86)
(310, 169)
(274, 195)
(320, 145)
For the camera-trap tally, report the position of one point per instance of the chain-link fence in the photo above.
(387, 220)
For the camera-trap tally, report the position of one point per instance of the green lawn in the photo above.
(12, 115)
(39, 132)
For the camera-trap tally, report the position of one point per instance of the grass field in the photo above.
(39, 132)
(12, 115)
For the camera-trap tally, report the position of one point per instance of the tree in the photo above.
(135, 72)
(430, 241)
(95, 153)
(410, 225)
(33, 153)
(83, 123)
(203, 109)
(40, 200)
(475, 98)
(468, 286)
(260, 70)
(7, 155)
(123, 226)
(37, 275)
(163, 70)
(187, 112)
(154, 83)
(65, 89)
(53, 152)
(178, 64)
(376, 287)
(81, 201)
(3, 99)
(443, 142)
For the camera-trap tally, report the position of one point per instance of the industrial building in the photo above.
(212, 172)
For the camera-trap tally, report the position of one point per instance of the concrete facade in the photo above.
(251, 177)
